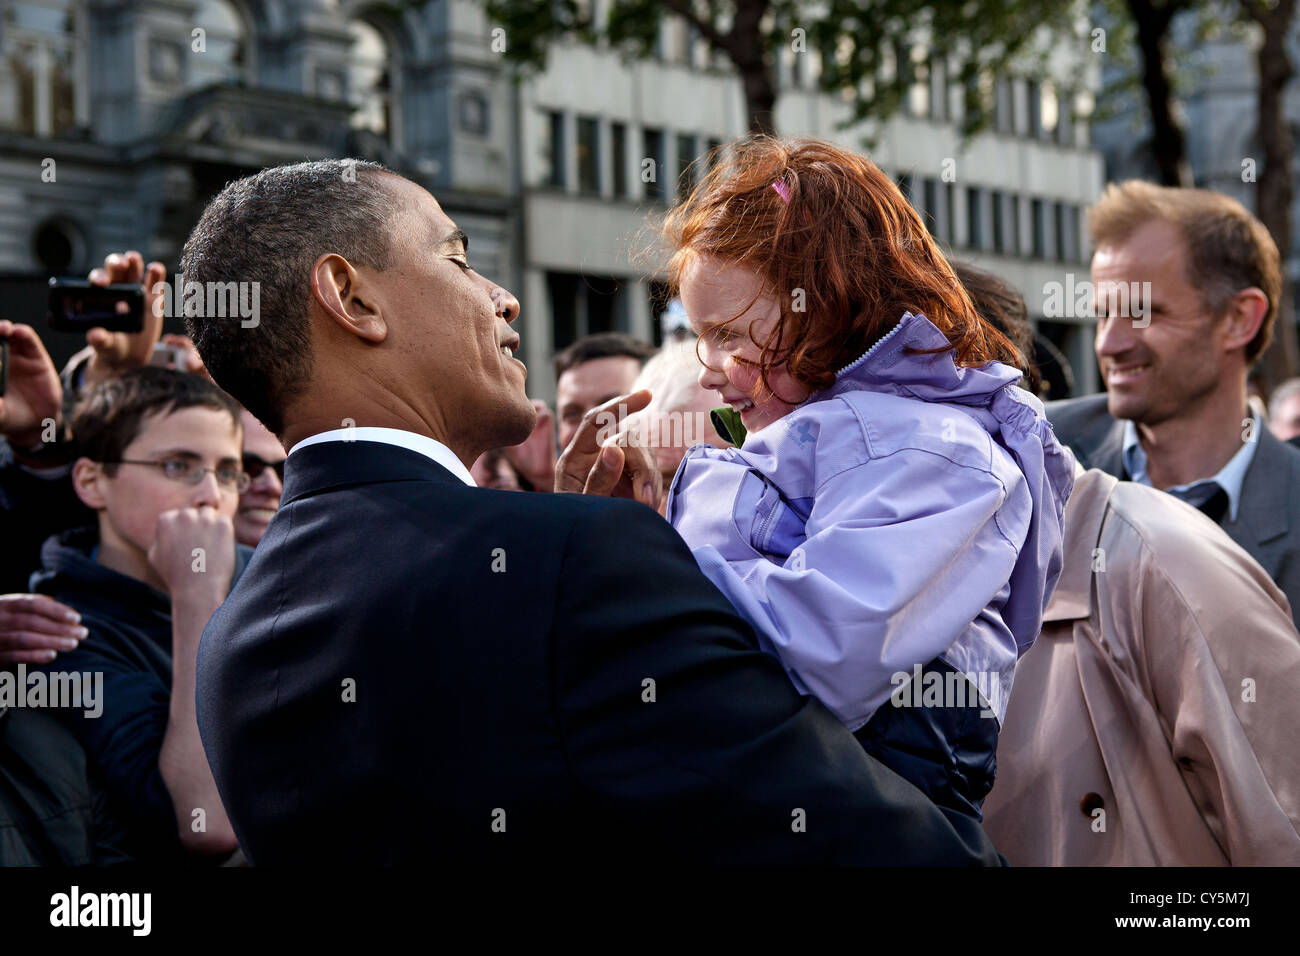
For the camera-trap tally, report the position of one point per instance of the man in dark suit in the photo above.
(1186, 284)
(413, 669)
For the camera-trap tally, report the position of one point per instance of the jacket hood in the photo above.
(1014, 419)
(933, 377)
(69, 574)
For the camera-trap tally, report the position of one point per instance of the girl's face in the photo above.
(714, 291)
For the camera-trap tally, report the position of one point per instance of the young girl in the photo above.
(892, 517)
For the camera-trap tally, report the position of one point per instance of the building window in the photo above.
(930, 192)
(1036, 225)
(999, 223)
(225, 57)
(686, 172)
(1058, 230)
(949, 230)
(583, 304)
(40, 62)
(652, 164)
(618, 154)
(1014, 220)
(1065, 123)
(714, 152)
(904, 181)
(588, 155)
(59, 246)
(977, 97)
(554, 150)
(370, 79)
(938, 90)
(1035, 108)
(974, 220)
(1004, 105)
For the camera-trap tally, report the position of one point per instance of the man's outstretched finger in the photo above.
(577, 461)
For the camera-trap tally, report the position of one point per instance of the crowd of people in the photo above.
(822, 579)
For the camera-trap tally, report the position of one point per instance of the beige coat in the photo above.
(1156, 720)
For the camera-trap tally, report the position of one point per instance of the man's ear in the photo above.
(1246, 314)
(88, 481)
(339, 289)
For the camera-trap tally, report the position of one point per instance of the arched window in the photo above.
(370, 72)
(224, 53)
(40, 65)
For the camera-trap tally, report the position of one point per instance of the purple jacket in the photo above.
(912, 510)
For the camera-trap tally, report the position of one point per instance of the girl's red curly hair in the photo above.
(846, 236)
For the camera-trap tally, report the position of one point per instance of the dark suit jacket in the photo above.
(1268, 516)
(413, 670)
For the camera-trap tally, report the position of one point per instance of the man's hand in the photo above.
(34, 628)
(33, 394)
(534, 458)
(601, 460)
(115, 352)
(193, 551)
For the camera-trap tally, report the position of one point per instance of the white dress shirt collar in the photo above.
(400, 437)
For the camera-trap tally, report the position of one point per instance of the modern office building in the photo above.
(118, 120)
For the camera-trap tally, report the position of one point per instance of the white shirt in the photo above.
(400, 437)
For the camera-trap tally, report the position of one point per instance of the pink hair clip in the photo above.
(783, 190)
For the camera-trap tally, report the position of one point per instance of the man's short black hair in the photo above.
(270, 228)
(602, 345)
(112, 414)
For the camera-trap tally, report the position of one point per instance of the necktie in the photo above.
(1210, 499)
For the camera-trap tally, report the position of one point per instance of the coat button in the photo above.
(1091, 802)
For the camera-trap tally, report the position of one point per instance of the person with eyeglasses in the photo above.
(161, 465)
(264, 465)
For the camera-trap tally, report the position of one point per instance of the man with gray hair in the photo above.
(1284, 410)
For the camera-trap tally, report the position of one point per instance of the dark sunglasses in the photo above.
(253, 466)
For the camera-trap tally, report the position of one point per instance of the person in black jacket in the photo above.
(413, 669)
(53, 810)
(160, 467)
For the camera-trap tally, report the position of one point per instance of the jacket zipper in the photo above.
(867, 354)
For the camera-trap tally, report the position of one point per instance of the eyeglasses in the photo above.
(254, 466)
(190, 472)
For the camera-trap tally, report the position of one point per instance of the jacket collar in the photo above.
(1085, 511)
(1109, 454)
(319, 467)
(1265, 511)
(905, 360)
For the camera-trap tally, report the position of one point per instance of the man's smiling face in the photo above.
(1167, 368)
(450, 327)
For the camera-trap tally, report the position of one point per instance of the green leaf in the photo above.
(727, 422)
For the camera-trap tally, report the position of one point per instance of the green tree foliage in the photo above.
(856, 41)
